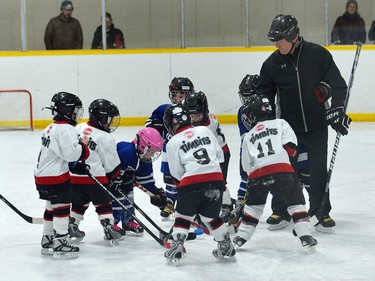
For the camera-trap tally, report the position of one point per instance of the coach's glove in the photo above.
(322, 91)
(124, 182)
(159, 199)
(338, 120)
(79, 168)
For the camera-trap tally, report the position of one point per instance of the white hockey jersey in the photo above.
(214, 126)
(263, 152)
(194, 156)
(59, 147)
(104, 161)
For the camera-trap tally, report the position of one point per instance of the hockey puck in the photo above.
(199, 231)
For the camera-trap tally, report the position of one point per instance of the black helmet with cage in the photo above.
(66, 107)
(175, 117)
(248, 87)
(196, 103)
(257, 108)
(180, 85)
(283, 27)
(104, 115)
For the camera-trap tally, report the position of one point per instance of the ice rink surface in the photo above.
(348, 254)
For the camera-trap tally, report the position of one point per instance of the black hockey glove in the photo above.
(338, 120)
(322, 91)
(79, 168)
(160, 199)
(124, 182)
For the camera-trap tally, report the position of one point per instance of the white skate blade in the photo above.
(46, 252)
(310, 249)
(75, 240)
(175, 262)
(65, 255)
(323, 229)
(226, 259)
(132, 233)
(283, 224)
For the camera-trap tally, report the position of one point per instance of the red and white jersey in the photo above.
(194, 156)
(104, 161)
(60, 145)
(214, 126)
(263, 151)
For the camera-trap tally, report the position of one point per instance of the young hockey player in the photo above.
(268, 151)
(104, 118)
(194, 157)
(178, 89)
(136, 166)
(196, 105)
(60, 146)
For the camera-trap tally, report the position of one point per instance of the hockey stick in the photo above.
(163, 233)
(317, 218)
(25, 217)
(157, 239)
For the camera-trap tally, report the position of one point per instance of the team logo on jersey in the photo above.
(186, 146)
(189, 134)
(87, 131)
(264, 133)
(260, 127)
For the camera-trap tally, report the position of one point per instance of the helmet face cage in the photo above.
(248, 87)
(257, 108)
(196, 103)
(175, 117)
(180, 86)
(149, 144)
(67, 106)
(104, 115)
(283, 27)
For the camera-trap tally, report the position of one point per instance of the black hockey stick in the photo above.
(317, 218)
(157, 239)
(163, 233)
(25, 217)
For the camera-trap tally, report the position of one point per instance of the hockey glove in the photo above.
(79, 168)
(322, 91)
(160, 199)
(338, 120)
(124, 182)
(158, 125)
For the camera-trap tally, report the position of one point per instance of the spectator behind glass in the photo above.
(350, 27)
(371, 33)
(115, 37)
(64, 32)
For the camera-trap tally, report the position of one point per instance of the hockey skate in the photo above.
(110, 233)
(239, 241)
(309, 243)
(175, 253)
(62, 249)
(168, 211)
(47, 245)
(133, 228)
(326, 225)
(225, 250)
(75, 234)
(277, 222)
(120, 230)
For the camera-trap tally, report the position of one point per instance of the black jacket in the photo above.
(293, 77)
(115, 38)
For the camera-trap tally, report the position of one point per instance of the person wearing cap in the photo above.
(298, 78)
(64, 32)
(350, 27)
(115, 37)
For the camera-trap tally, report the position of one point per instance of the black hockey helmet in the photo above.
(68, 5)
(180, 85)
(104, 115)
(175, 117)
(283, 27)
(66, 106)
(257, 108)
(196, 103)
(247, 87)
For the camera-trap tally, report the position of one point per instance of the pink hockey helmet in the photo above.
(149, 144)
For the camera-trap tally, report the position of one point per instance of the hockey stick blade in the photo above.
(22, 215)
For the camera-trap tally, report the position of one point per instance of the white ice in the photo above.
(348, 254)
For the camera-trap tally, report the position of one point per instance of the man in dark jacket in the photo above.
(64, 32)
(115, 37)
(299, 74)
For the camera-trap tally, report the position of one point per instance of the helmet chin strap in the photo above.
(293, 45)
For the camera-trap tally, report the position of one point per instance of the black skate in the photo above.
(62, 249)
(225, 250)
(110, 233)
(309, 243)
(47, 245)
(326, 225)
(277, 222)
(75, 235)
(133, 228)
(120, 230)
(239, 241)
(175, 253)
(168, 210)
